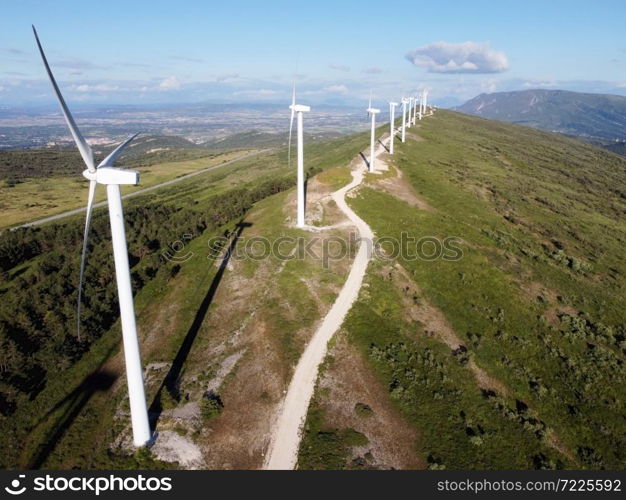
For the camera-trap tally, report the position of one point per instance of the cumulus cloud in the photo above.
(170, 83)
(373, 70)
(336, 89)
(466, 57)
(339, 67)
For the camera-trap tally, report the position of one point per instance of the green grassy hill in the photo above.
(505, 351)
(260, 139)
(511, 356)
(252, 138)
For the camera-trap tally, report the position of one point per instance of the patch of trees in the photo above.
(19, 164)
(16, 165)
(39, 277)
(211, 406)
(328, 447)
(582, 327)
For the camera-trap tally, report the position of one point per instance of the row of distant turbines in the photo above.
(106, 173)
(413, 109)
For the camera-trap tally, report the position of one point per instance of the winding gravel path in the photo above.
(287, 432)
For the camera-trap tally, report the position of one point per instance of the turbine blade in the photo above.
(90, 197)
(293, 113)
(83, 147)
(109, 161)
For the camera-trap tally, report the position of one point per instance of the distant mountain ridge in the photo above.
(597, 118)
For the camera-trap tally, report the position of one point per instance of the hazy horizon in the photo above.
(248, 52)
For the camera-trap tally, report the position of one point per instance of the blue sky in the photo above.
(186, 51)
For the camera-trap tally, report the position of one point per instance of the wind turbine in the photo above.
(408, 115)
(392, 125)
(420, 106)
(298, 109)
(372, 113)
(415, 106)
(404, 101)
(106, 173)
(425, 100)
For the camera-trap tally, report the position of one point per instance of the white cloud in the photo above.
(226, 76)
(102, 87)
(339, 67)
(77, 64)
(337, 89)
(466, 57)
(170, 83)
(2, 89)
(535, 84)
(258, 93)
(489, 85)
(186, 58)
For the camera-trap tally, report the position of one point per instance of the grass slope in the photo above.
(537, 300)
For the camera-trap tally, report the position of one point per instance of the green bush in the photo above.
(363, 410)
(210, 406)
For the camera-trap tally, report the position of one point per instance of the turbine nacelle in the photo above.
(112, 175)
(393, 104)
(373, 111)
(299, 108)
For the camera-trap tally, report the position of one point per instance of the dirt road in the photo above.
(287, 432)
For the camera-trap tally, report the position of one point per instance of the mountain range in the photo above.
(596, 118)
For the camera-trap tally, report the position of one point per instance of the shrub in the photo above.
(167, 399)
(363, 410)
(210, 406)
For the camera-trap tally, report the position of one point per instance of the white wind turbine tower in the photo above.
(404, 103)
(298, 109)
(415, 106)
(421, 98)
(392, 125)
(106, 173)
(410, 111)
(372, 113)
(425, 100)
